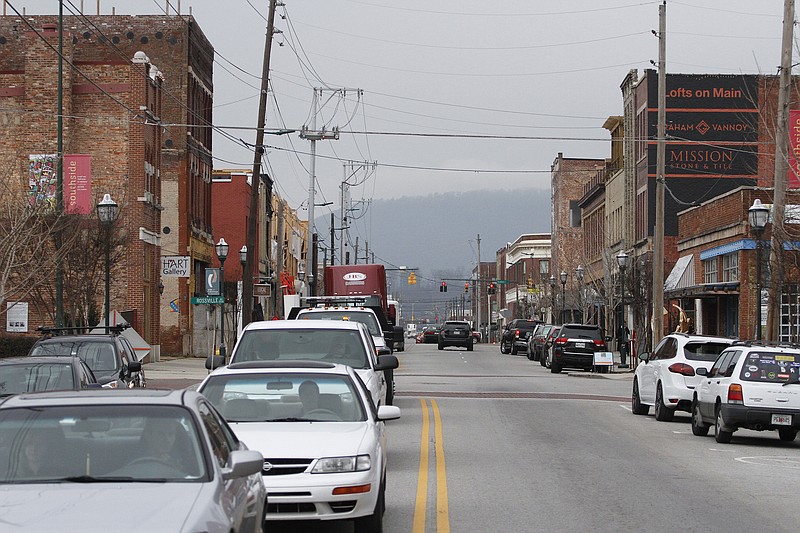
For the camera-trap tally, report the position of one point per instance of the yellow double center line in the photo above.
(442, 509)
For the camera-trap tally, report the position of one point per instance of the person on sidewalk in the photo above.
(623, 336)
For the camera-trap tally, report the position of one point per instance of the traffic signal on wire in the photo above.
(443, 287)
(466, 287)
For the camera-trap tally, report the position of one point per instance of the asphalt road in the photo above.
(490, 442)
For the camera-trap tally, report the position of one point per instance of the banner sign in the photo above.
(77, 184)
(212, 282)
(17, 317)
(175, 266)
(42, 181)
(793, 181)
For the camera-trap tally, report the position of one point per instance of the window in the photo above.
(667, 350)
(574, 214)
(730, 267)
(710, 269)
(544, 270)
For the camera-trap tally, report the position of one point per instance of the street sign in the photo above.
(208, 300)
(262, 289)
(501, 281)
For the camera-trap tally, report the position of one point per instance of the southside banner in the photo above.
(78, 184)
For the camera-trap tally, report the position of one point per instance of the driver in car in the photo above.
(309, 396)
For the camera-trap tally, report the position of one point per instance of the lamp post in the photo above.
(622, 261)
(222, 254)
(579, 276)
(553, 292)
(107, 210)
(757, 217)
(563, 277)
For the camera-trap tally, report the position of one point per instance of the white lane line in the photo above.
(627, 408)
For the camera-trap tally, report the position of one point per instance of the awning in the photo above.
(682, 275)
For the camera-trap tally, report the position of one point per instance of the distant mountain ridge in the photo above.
(437, 233)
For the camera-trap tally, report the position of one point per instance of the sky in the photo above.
(445, 96)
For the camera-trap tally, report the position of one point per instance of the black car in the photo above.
(575, 347)
(430, 335)
(110, 356)
(456, 333)
(515, 336)
(40, 374)
(547, 347)
(537, 340)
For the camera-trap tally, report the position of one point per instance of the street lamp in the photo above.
(579, 276)
(757, 217)
(622, 261)
(222, 254)
(553, 294)
(243, 257)
(563, 294)
(107, 210)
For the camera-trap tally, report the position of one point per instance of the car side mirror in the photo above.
(700, 371)
(388, 412)
(243, 463)
(215, 361)
(387, 362)
(644, 357)
(135, 366)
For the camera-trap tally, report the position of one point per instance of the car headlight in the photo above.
(353, 463)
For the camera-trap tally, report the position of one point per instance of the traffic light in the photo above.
(412, 279)
(466, 287)
(530, 283)
(492, 288)
(443, 287)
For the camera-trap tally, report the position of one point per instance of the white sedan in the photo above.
(323, 439)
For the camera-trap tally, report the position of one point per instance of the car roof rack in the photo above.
(767, 344)
(83, 330)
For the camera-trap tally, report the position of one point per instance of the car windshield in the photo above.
(99, 443)
(33, 377)
(455, 325)
(285, 397)
(98, 355)
(355, 315)
(525, 324)
(343, 346)
(704, 351)
(577, 332)
(771, 367)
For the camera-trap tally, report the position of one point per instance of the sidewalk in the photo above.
(176, 372)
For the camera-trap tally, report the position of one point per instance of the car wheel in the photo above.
(637, 407)
(389, 386)
(699, 427)
(374, 522)
(469, 347)
(663, 413)
(787, 434)
(503, 348)
(555, 368)
(721, 436)
(514, 350)
(543, 359)
(441, 346)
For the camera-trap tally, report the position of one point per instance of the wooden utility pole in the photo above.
(775, 287)
(658, 234)
(258, 153)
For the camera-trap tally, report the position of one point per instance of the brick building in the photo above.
(112, 101)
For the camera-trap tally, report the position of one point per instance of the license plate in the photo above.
(458, 332)
(580, 345)
(781, 420)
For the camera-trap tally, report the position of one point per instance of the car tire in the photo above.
(787, 434)
(514, 350)
(555, 368)
(374, 522)
(543, 359)
(389, 374)
(503, 348)
(637, 407)
(721, 436)
(699, 427)
(663, 413)
(469, 346)
(441, 346)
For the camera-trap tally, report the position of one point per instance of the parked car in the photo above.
(515, 336)
(110, 356)
(750, 385)
(477, 336)
(323, 438)
(76, 460)
(430, 335)
(39, 374)
(575, 346)
(536, 341)
(333, 341)
(547, 348)
(456, 333)
(668, 377)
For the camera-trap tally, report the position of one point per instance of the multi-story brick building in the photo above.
(112, 104)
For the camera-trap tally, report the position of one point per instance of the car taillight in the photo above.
(561, 340)
(599, 343)
(682, 368)
(735, 393)
(516, 333)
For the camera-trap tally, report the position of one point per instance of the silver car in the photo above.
(83, 460)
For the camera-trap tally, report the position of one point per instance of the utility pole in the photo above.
(333, 242)
(258, 152)
(478, 285)
(781, 169)
(279, 265)
(313, 135)
(366, 252)
(658, 237)
(355, 262)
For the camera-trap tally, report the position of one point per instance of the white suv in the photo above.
(667, 377)
(750, 385)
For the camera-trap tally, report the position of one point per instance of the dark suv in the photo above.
(110, 356)
(515, 336)
(575, 346)
(456, 333)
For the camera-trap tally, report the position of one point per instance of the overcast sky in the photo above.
(546, 71)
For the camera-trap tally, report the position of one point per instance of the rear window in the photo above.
(578, 332)
(526, 325)
(704, 351)
(771, 367)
